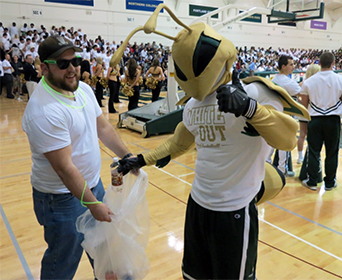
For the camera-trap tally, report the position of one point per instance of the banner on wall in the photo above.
(143, 5)
(73, 2)
(318, 25)
(197, 10)
(252, 18)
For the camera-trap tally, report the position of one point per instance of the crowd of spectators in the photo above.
(261, 59)
(22, 42)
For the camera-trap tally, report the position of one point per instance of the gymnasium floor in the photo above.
(300, 230)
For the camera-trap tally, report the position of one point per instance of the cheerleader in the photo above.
(155, 77)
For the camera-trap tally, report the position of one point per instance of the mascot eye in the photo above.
(179, 73)
(205, 50)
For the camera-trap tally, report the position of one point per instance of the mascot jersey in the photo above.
(230, 153)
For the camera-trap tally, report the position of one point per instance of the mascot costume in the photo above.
(233, 126)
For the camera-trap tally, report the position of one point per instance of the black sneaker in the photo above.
(10, 96)
(306, 184)
(331, 188)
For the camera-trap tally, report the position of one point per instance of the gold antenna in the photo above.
(120, 51)
(149, 27)
(151, 23)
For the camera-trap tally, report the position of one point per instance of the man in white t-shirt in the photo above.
(322, 95)
(63, 123)
(286, 67)
(32, 51)
(8, 77)
(13, 30)
(23, 30)
(6, 42)
(1, 76)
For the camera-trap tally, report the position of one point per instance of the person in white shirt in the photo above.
(286, 67)
(32, 28)
(144, 53)
(303, 123)
(113, 46)
(6, 42)
(1, 76)
(23, 30)
(8, 77)
(79, 32)
(86, 53)
(106, 61)
(64, 123)
(14, 30)
(32, 51)
(1, 29)
(9, 37)
(322, 95)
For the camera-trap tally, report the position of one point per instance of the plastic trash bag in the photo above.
(118, 247)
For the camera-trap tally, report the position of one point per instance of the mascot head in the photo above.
(202, 60)
(202, 57)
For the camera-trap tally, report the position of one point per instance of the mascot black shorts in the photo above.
(220, 245)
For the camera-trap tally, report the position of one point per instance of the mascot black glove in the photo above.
(126, 164)
(232, 98)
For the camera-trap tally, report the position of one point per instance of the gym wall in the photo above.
(111, 20)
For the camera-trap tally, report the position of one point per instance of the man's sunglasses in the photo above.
(64, 63)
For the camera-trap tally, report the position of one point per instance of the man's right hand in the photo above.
(100, 212)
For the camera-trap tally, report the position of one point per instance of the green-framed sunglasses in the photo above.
(64, 63)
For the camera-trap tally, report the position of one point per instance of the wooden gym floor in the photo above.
(300, 230)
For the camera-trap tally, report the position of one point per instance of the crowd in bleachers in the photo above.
(23, 42)
(261, 59)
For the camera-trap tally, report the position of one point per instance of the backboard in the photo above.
(295, 10)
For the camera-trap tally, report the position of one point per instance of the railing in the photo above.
(297, 75)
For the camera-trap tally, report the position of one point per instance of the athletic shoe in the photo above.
(331, 188)
(300, 160)
(310, 187)
(289, 173)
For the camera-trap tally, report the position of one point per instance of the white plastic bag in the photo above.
(118, 247)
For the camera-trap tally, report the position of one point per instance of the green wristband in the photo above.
(83, 203)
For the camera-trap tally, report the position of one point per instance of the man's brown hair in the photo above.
(326, 59)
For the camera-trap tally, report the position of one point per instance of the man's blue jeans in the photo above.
(58, 214)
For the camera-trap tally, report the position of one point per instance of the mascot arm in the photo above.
(278, 129)
(179, 143)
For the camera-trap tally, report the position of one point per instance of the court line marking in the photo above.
(298, 238)
(174, 176)
(275, 205)
(183, 175)
(16, 245)
(15, 175)
(304, 218)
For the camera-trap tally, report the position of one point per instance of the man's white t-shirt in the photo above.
(291, 86)
(325, 91)
(51, 125)
(6, 63)
(230, 164)
(1, 69)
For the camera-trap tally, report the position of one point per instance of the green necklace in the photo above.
(51, 91)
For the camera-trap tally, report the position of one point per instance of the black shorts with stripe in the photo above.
(220, 245)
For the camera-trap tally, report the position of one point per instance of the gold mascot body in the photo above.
(231, 176)
(203, 59)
